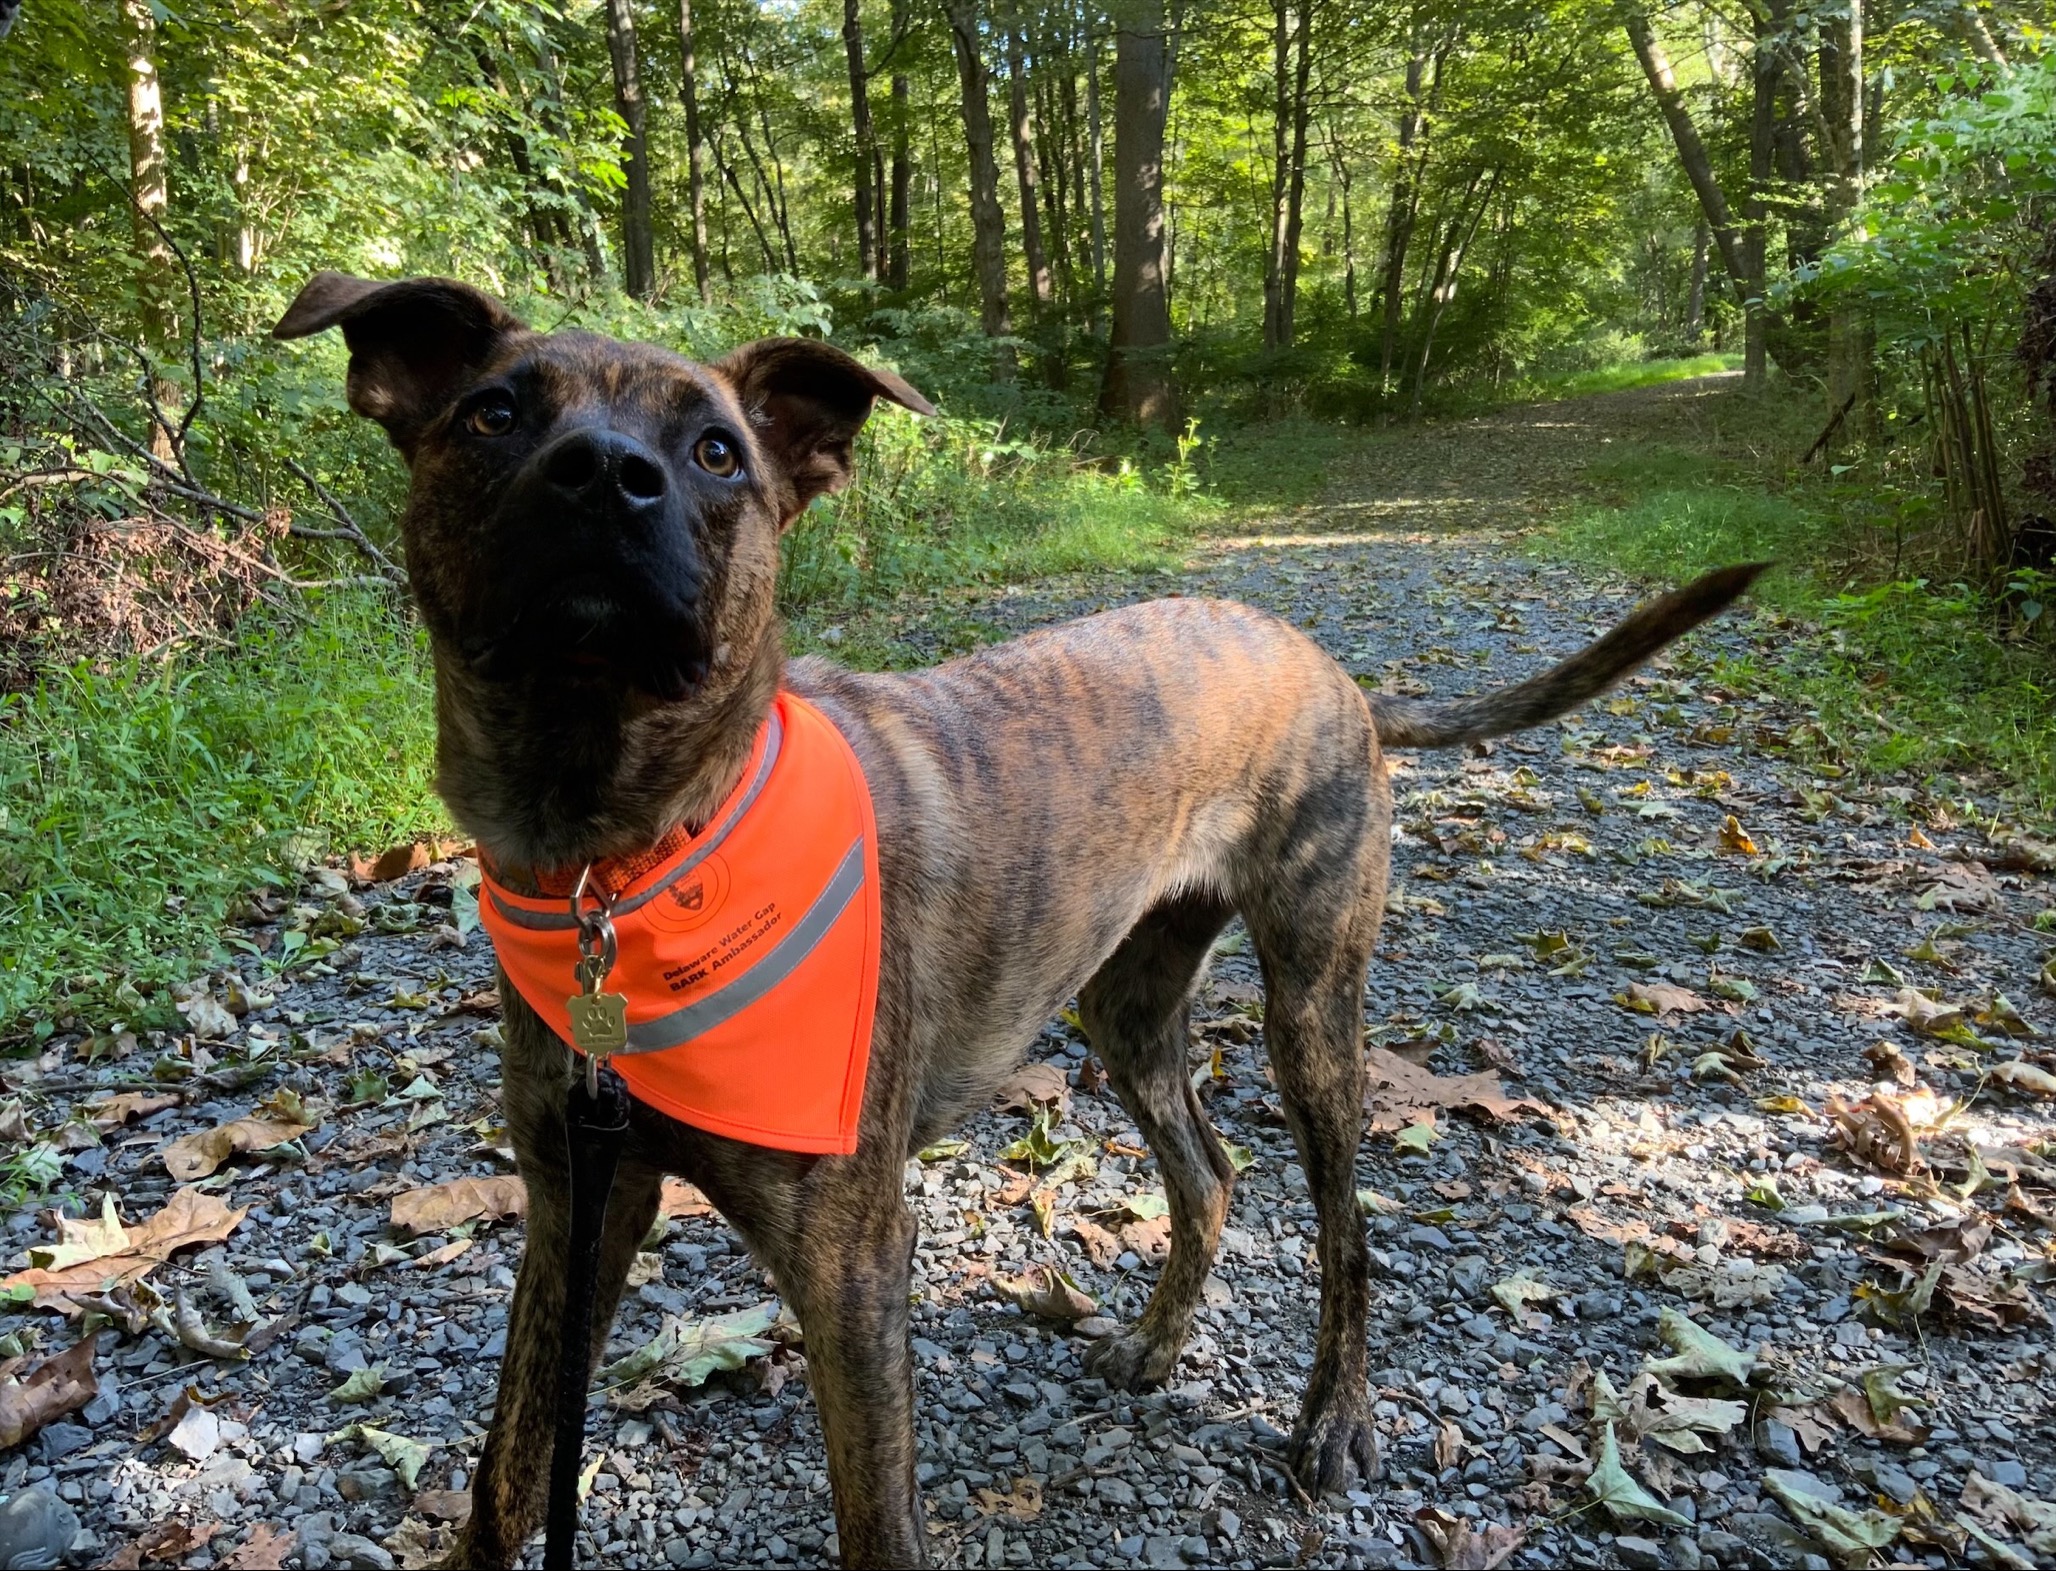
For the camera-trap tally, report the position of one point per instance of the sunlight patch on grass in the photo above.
(1908, 676)
(1639, 373)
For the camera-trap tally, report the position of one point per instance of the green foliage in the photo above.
(143, 799)
(1907, 674)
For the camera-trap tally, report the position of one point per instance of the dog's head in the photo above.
(584, 512)
(591, 532)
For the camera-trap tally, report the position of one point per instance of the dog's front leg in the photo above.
(848, 1278)
(510, 1488)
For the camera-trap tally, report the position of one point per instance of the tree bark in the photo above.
(695, 154)
(988, 224)
(1400, 217)
(1096, 177)
(861, 134)
(1041, 291)
(1288, 166)
(1764, 72)
(1695, 290)
(1842, 106)
(638, 241)
(900, 217)
(1743, 266)
(1138, 384)
(150, 204)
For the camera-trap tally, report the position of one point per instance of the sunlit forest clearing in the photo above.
(1445, 331)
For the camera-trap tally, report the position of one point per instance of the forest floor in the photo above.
(1781, 1128)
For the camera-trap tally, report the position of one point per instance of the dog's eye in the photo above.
(494, 417)
(717, 455)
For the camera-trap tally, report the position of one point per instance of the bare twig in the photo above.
(347, 527)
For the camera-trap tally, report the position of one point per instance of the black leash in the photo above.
(595, 1125)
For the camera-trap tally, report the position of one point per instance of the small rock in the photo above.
(2009, 1472)
(1642, 1554)
(1775, 1442)
(60, 1440)
(36, 1529)
(361, 1554)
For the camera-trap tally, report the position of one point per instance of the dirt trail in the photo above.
(1668, 921)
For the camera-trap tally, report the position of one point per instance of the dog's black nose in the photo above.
(604, 466)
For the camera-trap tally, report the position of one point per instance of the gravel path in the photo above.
(1669, 924)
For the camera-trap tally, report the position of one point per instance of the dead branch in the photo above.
(347, 528)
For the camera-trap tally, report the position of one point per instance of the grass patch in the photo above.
(1637, 373)
(142, 801)
(1906, 674)
(138, 802)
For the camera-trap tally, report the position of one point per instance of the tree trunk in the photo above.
(149, 205)
(1736, 258)
(638, 243)
(1763, 129)
(988, 224)
(1096, 177)
(1841, 103)
(1288, 166)
(861, 134)
(1400, 217)
(1695, 290)
(1342, 181)
(900, 217)
(1138, 383)
(695, 154)
(1295, 191)
(1041, 292)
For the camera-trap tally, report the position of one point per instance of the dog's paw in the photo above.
(1332, 1447)
(1131, 1361)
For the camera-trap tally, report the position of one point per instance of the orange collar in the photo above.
(748, 953)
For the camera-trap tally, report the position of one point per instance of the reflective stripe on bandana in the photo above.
(748, 952)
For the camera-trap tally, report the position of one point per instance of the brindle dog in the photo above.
(592, 537)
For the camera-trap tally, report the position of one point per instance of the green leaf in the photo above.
(686, 1352)
(1612, 1486)
(1241, 1158)
(1849, 1537)
(361, 1385)
(1700, 1354)
(1416, 1137)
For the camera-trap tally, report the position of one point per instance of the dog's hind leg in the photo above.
(1313, 1032)
(1135, 1010)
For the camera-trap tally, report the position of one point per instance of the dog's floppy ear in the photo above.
(806, 401)
(411, 342)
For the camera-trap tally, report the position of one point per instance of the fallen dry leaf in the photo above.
(1733, 837)
(1101, 1246)
(1460, 1547)
(1887, 1063)
(2023, 1076)
(1876, 1130)
(264, 1550)
(113, 1111)
(189, 1217)
(170, 1542)
(1401, 1092)
(1925, 1016)
(1023, 1502)
(445, 1505)
(31, 1398)
(1448, 1445)
(397, 862)
(1045, 1291)
(196, 1155)
(1032, 1086)
(441, 1206)
(1661, 999)
(679, 1199)
(1151, 1239)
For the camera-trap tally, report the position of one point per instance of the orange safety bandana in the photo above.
(748, 952)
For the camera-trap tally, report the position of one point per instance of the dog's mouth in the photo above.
(594, 636)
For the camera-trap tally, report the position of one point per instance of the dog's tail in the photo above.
(1403, 722)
